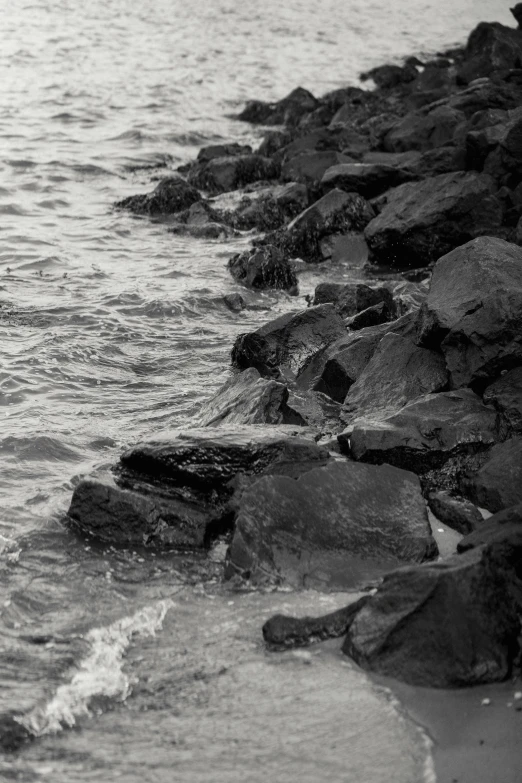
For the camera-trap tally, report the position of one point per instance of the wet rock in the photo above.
(491, 47)
(171, 195)
(371, 316)
(457, 513)
(284, 347)
(330, 527)
(484, 94)
(423, 220)
(268, 208)
(310, 167)
(247, 398)
(444, 625)
(219, 175)
(474, 310)
(504, 526)
(315, 410)
(200, 221)
(398, 373)
(222, 151)
(388, 76)
(234, 302)
(506, 396)
(368, 179)
(423, 131)
(264, 267)
(323, 140)
(427, 432)
(498, 483)
(13, 735)
(442, 160)
(352, 298)
(283, 632)
(287, 111)
(517, 13)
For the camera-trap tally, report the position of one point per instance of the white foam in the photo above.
(100, 673)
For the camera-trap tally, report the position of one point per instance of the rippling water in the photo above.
(112, 328)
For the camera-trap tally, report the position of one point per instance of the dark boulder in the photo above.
(445, 625)
(423, 130)
(315, 410)
(222, 151)
(457, 513)
(323, 140)
(517, 13)
(506, 395)
(310, 167)
(398, 373)
(474, 310)
(491, 47)
(441, 160)
(389, 76)
(333, 526)
(264, 267)
(200, 221)
(368, 179)
(423, 220)
(219, 175)
(287, 111)
(498, 483)
(427, 432)
(170, 195)
(268, 208)
(352, 298)
(284, 347)
(372, 316)
(504, 526)
(234, 302)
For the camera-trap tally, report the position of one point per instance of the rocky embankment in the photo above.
(344, 420)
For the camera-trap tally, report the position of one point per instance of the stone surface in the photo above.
(170, 195)
(219, 175)
(506, 395)
(423, 131)
(427, 432)
(351, 298)
(498, 483)
(264, 267)
(287, 111)
(503, 527)
(457, 513)
(474, 310)
(398, 373)
(284, 347)
(268, 208)
(423, 220)
(491, 47)
(372, 316)
(310, 167)
(333, 526)
(444, 625)
(367, 179)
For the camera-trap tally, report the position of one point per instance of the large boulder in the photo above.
(247, 398)
(334, 526)
(503, 527)
(427, 432)
(170, 195)
(423, 131)
(287, 111)
(441, 625)
(219, 175)
(352, 298)
(285, 346)
(491, 47)
(458, 513)
(368, 179)
(398, 373)
(506, 395)
(498, 483)
(267, 208)
(474, 310)
(423, 220)
(310, 167)
(264, 267)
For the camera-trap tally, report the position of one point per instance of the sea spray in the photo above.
(100, 673)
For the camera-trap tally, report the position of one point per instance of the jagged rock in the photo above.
(352, 298)
(247, 398)
(219, 175)
(222, 151)
(322, 140)
(234, 302)
(268, 208)
(504, 526)
(398, 373)
(310, 167)
(329, 527)
(506, 395)
(498, 483)
(484, 94)
(315, 410)
(371, 316)
(491, 47)
(474, 310)
(283, 632)
(200, 221)
(427, 432)
(287, 111)
(284, 347)
(444, 625)
(367, 179)
(457, 513)
(517, 13)
(423, 131)
(264, 267)
(423, 220)
(170, 195)
(388, 76)
(441, 160)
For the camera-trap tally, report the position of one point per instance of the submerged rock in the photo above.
(441, 625)
(333, 526)
(498, 483)
(457, 513)
(171, 195)
(264, 267)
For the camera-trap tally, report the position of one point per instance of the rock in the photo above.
(287, 111)
(247, 398)
(234, 302)
(441, 160)
(426, 432)
(423, 131)
(219, 175)
(398, 373)
(310, 167)
(284, 347)
(264, 267)
(457, 513)
(315, 410)
(423, 220)
(506, 395)
(330, 527)
(440, 625)
(484, 94)
(323, 140)
(200, 221)
(268, 208)
(222, 151)
(388, 76)
(474, 310)
(13, 735)
(517, 13)
(491, 47)
(498, 483)
(367, 179)
(352, 298)
(503, 527)
(171, 195)
(372, 316)
(283, 632)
